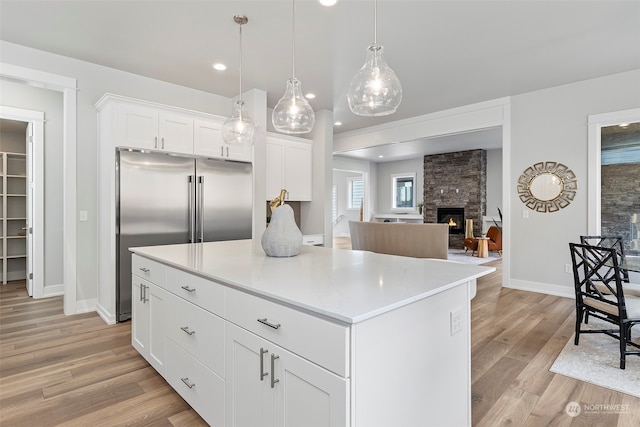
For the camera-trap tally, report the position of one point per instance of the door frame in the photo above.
(35, 120)
(595, 123)
(68, 87)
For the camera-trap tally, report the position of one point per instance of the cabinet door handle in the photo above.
(141, 291)
(273, 375)
(188, 383)
(155, 142)
(188, 289)
(262, 372)
(145, 294)
(187, 331)
(144, 270)
(221, 151)
(163, 142)
(227, 151)
(269, 324)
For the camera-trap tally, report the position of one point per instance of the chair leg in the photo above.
(579, 314)
(624, 335)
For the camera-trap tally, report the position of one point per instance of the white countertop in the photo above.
(349, 286)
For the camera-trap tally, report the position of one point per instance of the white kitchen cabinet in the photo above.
(270, 386)
(289, 166)
(207, 141)
(148, 334)
(150, 128)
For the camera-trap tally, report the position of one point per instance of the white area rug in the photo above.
(460, 256)
(596, 360)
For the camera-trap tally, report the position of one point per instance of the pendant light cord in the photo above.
(240, 96)
(293, 39)
(375, 22)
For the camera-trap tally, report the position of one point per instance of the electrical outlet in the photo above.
(567, 268)
(83, 215)
(456, 321)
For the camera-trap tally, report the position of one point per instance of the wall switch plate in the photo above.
(525, 214)
(567, 268)
(83, 215)
(456, 321)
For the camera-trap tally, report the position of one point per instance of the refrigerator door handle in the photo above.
(192, 231)
(201, 208)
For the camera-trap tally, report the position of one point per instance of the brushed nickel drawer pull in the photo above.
(262, 372)
(269, 324)
(188, 288)
(144, 270)
(186, 330)
(188, 383)
(273, 374)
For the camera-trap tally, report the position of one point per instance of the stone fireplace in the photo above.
(456, 180)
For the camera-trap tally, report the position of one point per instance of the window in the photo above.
(403, 192)
(356, 192)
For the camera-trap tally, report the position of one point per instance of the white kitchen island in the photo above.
(330, 337)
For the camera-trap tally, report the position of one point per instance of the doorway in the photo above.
(21, 142)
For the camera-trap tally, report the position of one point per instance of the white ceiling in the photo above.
(446, 53)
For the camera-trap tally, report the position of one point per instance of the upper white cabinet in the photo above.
(208, 142)
(289, 166)
(153, 129)
(127, 122)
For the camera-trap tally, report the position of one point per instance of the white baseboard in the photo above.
(86, 305)
(542, 288)
(109, 318)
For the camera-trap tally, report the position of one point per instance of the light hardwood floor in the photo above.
(77, 371)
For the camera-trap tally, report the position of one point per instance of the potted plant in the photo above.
(420, 205)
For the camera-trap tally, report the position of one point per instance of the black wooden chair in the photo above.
(599, 293)
(614, 242)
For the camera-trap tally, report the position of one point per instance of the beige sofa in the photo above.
(412, 240)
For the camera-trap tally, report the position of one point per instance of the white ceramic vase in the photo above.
(282, 238)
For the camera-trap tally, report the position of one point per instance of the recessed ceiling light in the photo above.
(328, 2)
(623, 125)
(337, 123)
(310, 96)
(220, 67)
(380, 156)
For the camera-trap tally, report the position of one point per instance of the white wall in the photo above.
(386, 169)
(50, 102)
(370, 172)
(93, 82)
(551, 125)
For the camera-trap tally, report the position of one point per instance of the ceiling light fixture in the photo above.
(219, 66)
(328, 3)
(293, 113)
(239, 128)
(375, 90)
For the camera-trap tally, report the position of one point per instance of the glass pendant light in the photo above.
(293, 113)
(375, 90)
(239, 128)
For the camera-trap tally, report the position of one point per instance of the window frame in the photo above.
(394, 185)
(350, 181)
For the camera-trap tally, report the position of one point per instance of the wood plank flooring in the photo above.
(77, 371)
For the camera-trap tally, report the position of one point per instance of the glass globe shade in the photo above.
(239, 128)
(375, 90)
(293, 113)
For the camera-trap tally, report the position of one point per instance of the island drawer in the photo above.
(197, 331)
(201, 292)
(199, 386)
(149, 270)
(319, 340)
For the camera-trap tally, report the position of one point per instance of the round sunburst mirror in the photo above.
(547, 186)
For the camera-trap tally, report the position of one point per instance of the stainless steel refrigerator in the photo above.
(166, 199)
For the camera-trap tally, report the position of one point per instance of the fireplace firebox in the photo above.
(452, 216)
